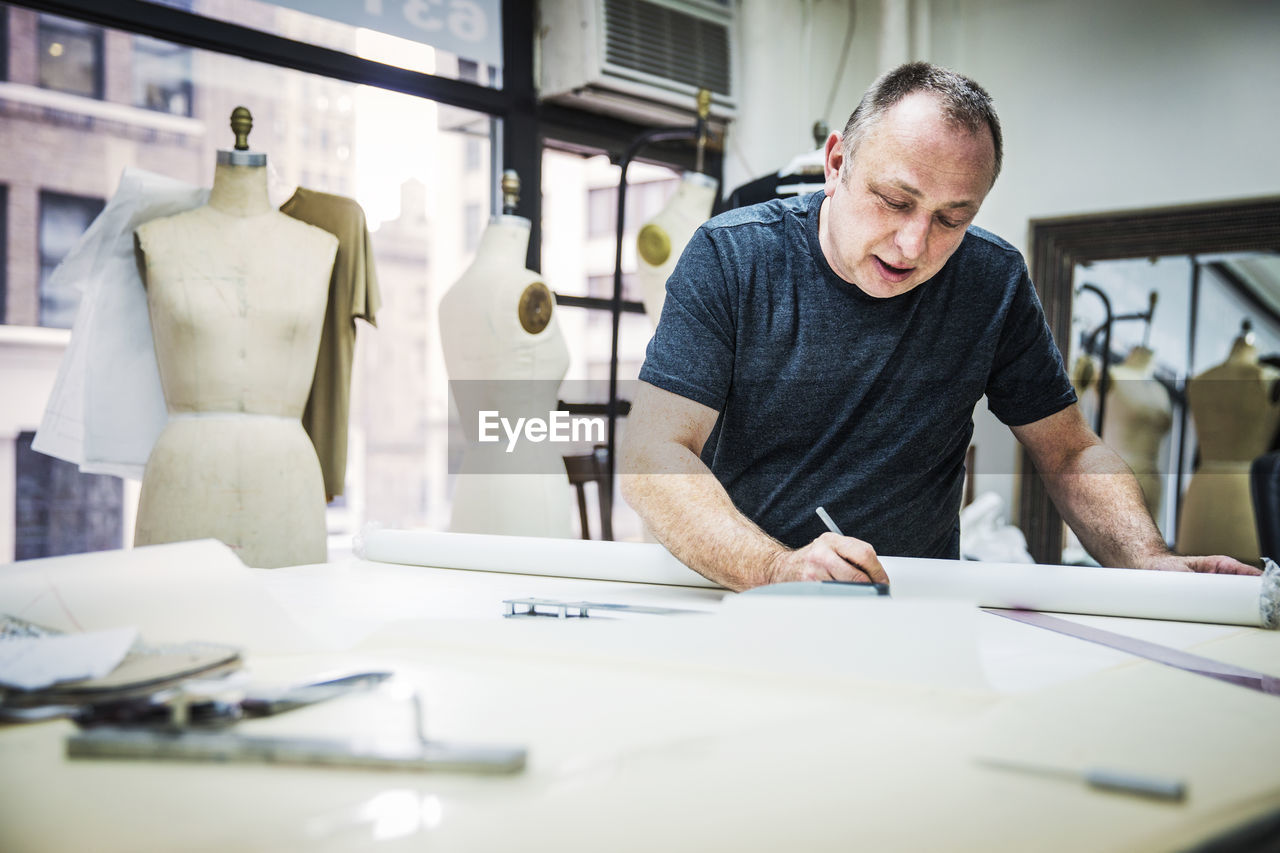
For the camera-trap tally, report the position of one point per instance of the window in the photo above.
(580, 197)
(70, 57)
(161, 76)
(644, 200)
(397, 427)
(398, 447)
(418, 35)
(602, 211)
(472, 225)
(63, 218)
(60, 510)
(601, 286)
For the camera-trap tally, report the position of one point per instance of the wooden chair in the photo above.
(592, 468)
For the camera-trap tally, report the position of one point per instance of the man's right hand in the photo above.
(830, 557)
(688, 510)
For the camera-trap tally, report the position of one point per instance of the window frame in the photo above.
(527, 126)
(4, 253)
(523, 126)
(4, 42)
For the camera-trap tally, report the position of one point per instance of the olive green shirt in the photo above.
(353, 292)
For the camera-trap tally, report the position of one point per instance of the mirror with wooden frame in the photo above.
(1074, 265)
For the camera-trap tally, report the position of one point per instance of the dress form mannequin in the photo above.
(1138, 417)
(663, 238)
(505, 353)
(1235, 416)
(236, 293)
(1084, 373)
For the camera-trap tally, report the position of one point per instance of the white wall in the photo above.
(1111, 105)
(1105, 105)
(787, 59)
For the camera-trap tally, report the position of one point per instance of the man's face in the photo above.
(898, 208)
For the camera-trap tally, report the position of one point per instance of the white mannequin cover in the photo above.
(688, 208)
(495, 363)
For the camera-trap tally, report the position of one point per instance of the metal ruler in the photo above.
(225, 746)
(1166, 655)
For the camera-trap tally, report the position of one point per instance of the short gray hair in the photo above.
(964, 103)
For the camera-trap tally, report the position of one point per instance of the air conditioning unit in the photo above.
(643, 60)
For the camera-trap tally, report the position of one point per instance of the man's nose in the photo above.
(912, 237)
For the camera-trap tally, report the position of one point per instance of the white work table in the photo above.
(757, 725)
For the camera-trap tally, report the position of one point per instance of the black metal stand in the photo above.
(1091, 343)
(695, 131)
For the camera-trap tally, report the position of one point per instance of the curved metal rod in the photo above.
(1104, 384)
(666, 134)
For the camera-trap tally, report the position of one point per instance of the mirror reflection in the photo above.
(1177, 364)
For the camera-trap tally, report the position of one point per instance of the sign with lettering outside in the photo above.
(469, 28)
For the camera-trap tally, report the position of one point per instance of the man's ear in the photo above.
(832, 163)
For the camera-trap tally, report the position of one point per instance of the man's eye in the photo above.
(946, 223)
(894, 205)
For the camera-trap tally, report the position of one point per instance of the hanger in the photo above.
(807, 164)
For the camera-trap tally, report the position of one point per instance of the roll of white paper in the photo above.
(529, 555)
(1179, 596)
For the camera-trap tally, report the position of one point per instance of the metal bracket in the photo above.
(522, 607)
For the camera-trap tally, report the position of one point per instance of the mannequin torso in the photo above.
(663, 238)
(236, 293)
(1138, 417)
(1235, 417)
(504, 352)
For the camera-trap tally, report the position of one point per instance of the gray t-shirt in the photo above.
(828, 396)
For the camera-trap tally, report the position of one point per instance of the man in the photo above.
(829, 351)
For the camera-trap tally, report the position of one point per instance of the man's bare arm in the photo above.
(690, 513)
(1100, 498)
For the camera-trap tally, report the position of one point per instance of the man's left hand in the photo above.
(1218, 565)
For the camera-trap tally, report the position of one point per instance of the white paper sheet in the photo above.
(30, 663)
(107, 407)
(176, 593)
(344, 602)
(1018, 658)
(880, 639)
(824, 640)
